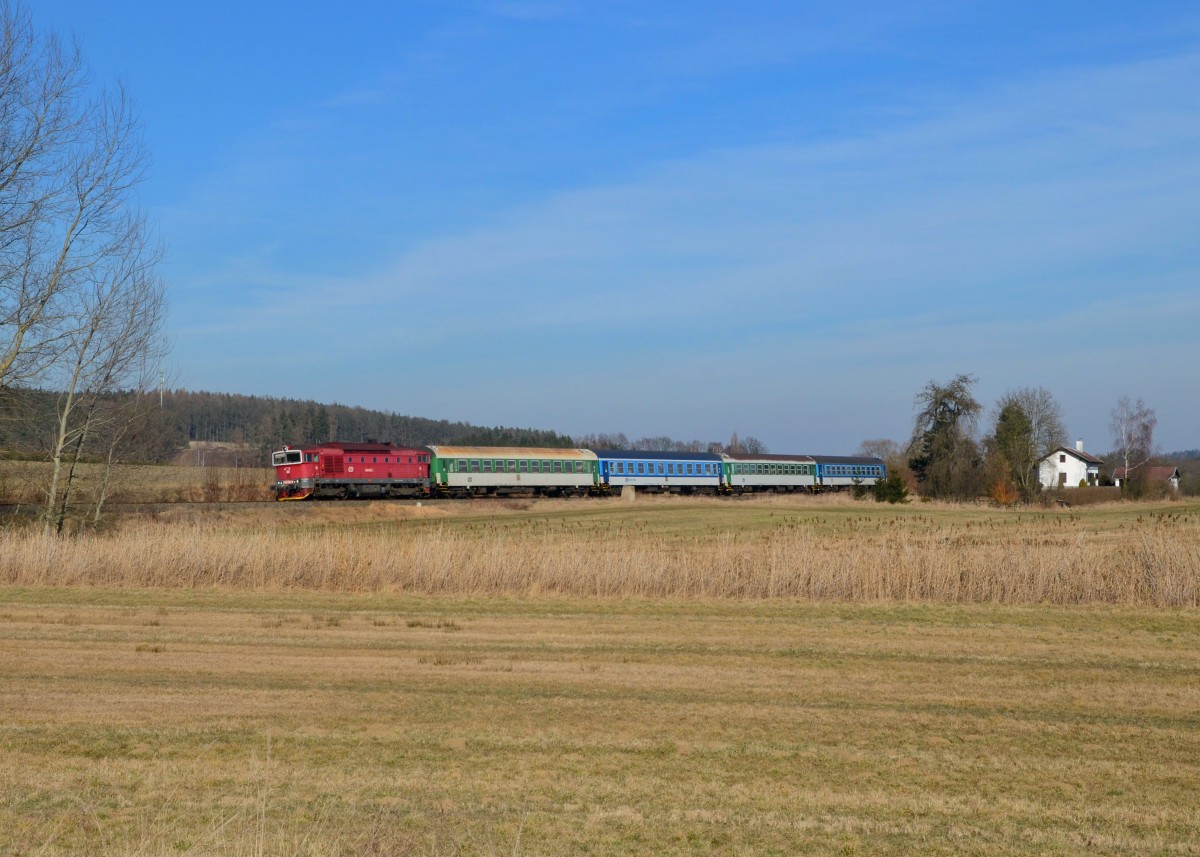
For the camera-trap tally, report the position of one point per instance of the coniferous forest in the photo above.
(258, 422)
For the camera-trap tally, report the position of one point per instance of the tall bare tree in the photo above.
(881, 447)
(81, 311)
(1028, 427)
(1133, 425)
(753, 446)
(114, 347)
(43, 129)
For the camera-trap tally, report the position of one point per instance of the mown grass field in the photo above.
(183, 722)
(768, 676)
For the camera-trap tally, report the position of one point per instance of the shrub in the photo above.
(893, 489)
(1003, 492)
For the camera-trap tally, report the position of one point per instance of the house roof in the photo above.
(1153, 474)
(1082, 456)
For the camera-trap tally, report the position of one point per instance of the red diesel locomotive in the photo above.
(350, 470)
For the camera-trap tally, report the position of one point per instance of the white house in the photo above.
(1065, 468)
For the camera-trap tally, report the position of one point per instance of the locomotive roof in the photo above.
(657, 456)
(512, 452)
(357, 447)
(766, 456)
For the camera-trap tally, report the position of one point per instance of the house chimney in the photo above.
(1079, 445)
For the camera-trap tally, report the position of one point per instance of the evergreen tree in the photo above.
(943, 453)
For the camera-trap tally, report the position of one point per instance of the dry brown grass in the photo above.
(1135, 555)
(25, 483)
(232, 723)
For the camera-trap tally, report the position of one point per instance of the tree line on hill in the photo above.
(260, 424)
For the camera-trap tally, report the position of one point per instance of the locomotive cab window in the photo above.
(286, 456)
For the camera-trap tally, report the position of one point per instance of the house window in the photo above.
(1062, 479)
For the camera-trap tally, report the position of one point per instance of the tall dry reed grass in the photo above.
(1159, 566)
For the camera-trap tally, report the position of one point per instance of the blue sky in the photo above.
(780, 219)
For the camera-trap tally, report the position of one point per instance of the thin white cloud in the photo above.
(533, 10)
(1001, 235)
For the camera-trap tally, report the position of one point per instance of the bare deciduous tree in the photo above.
(753, 446)
(1028, 427)
(114, 346)
(882, 447)
(81, 311)
(47, 196)
(1133, 425)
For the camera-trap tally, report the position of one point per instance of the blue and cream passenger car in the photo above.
(677, 472)
(846, 471)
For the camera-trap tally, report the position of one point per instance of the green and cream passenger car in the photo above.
(483, 470)
(745, 473)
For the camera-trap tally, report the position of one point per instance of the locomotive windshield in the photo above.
(285, 456)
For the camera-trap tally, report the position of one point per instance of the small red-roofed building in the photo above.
(1154, 475)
